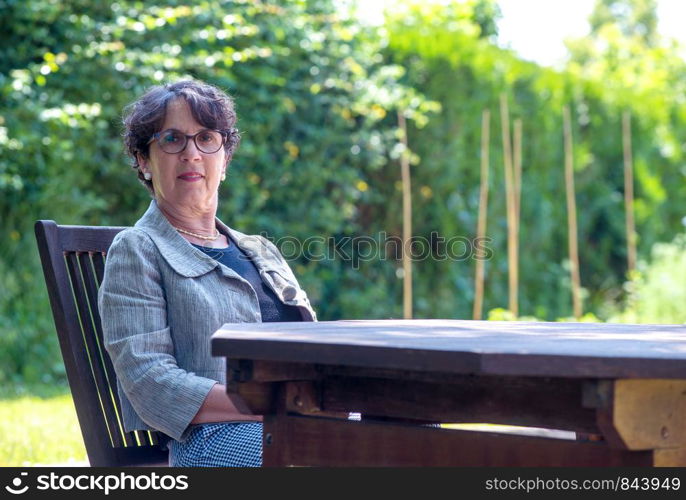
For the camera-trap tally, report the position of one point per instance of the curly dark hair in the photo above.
(210, 106)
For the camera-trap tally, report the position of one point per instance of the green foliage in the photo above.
(451, 64)
(313, 97)
(656, 292)
(635, 18)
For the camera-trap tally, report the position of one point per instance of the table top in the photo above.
(593, 350)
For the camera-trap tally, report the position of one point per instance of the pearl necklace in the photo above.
(199, 236)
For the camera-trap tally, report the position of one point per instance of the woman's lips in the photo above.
(190, 176)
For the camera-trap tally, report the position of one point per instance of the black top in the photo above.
(271, 308)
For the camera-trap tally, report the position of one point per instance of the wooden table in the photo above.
(620, 388)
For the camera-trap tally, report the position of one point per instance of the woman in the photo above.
(180, 273)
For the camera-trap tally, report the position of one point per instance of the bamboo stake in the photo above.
(511, 208)
(518, 173)
(483, 211)
(571, 214)
(629, 193)
(407, 221)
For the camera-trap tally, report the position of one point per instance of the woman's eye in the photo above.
(171, 138)
(205, 137)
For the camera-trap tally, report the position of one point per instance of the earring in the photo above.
(147, 176)
(223, 176)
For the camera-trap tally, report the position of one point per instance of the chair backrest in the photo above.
(73, 259)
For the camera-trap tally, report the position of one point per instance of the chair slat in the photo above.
(88, 341)
(98, 259)
(153, 438)
(103, 362)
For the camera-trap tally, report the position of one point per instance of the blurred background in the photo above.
(319, 86)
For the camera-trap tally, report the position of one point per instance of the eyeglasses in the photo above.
(172, 141)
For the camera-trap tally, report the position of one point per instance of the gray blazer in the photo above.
(160, 301)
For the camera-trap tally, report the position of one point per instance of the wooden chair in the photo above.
(73, 259)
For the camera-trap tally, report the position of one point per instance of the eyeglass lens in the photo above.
(207, 141)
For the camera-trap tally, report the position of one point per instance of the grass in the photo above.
(38, 425)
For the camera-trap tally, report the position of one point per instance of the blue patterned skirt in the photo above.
(219, 445)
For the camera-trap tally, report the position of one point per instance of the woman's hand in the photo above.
(217, 407)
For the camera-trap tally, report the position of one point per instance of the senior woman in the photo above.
(180, 273)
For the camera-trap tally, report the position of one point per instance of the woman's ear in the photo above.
(143, 167)
(142, 162)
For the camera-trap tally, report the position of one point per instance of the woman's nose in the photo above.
(191, 151)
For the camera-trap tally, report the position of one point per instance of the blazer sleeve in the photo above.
(137, 337)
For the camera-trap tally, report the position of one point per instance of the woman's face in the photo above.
(188, 181)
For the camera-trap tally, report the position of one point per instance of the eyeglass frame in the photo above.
(156, 137)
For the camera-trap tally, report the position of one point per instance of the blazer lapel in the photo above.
(183, 257)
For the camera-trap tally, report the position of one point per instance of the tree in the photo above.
(635, 19)
(312, 94)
